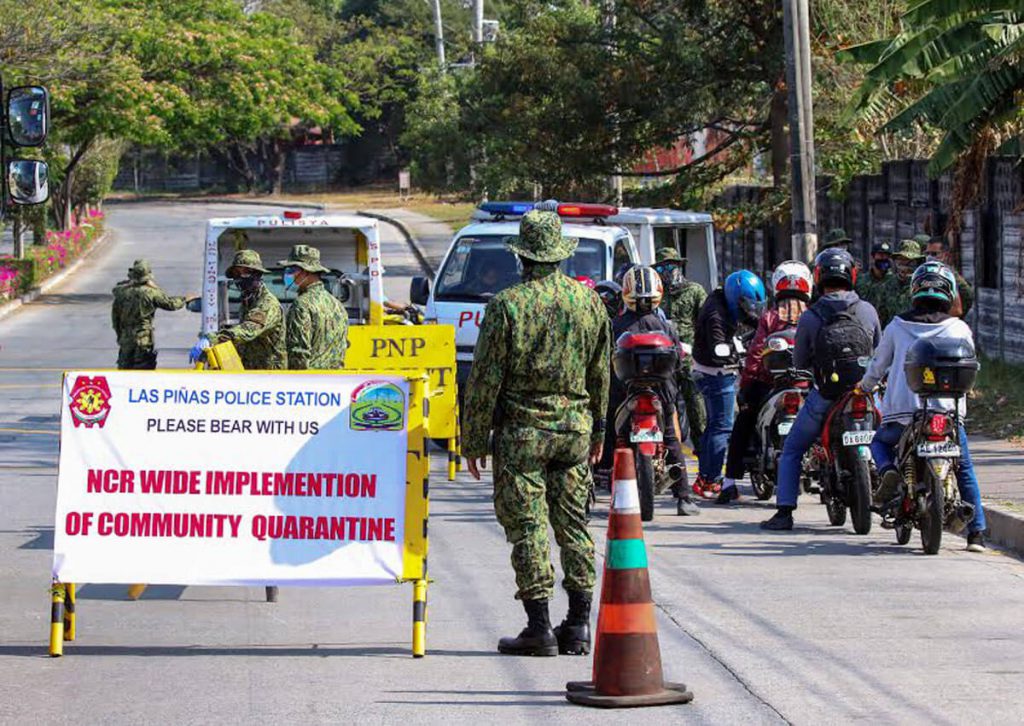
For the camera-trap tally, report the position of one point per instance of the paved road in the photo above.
(815, 626)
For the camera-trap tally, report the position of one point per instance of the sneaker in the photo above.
(706, 489)
(686, 507)
(728, 495)
(976, 542)
(781, 520)
(888, 487)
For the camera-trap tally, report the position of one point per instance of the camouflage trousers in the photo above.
(693, 404)
(541, 477)
(136, 358)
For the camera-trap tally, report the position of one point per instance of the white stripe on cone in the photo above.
(626, 496)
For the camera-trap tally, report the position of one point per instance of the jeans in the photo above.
(753, 397)
(883, 448)
(806, 429)
(719, 394)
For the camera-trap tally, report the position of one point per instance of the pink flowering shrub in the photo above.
(10, 282)
(60, 248)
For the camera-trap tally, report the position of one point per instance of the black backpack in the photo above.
(840, 346)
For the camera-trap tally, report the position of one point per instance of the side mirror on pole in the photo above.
(28, 181)
(28, 115)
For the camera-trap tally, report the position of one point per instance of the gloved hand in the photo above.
(198, 350)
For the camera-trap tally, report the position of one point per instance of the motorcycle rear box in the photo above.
(941, 367)
(643, 356)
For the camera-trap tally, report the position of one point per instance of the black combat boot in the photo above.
(537, 637)
(574, 632)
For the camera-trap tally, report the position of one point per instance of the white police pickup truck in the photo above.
(479, 265)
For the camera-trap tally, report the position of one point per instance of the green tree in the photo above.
(954, 66)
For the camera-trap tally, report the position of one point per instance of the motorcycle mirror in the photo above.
(778, 344)
(722, 350)
(195, 305)
(864, 361)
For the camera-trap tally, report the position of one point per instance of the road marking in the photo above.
(30, 431)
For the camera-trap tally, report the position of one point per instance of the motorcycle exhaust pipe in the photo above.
(676, 472)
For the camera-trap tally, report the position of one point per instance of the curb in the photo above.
(1005, 528)
(218, 200)
(410, 238)
(51, 282)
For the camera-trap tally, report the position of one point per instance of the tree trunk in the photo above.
(273, 156)
(780, 157)
(18, 234)
(238, 160)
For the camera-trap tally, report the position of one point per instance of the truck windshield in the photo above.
(482, 266)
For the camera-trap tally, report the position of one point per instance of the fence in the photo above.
(899, 203)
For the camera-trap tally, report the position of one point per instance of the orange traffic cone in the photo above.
(627, 659)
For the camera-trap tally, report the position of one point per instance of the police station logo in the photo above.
(377, 406)
(90, 401)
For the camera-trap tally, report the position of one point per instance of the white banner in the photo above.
(231, 479)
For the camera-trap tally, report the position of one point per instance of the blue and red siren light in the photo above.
(587, 210)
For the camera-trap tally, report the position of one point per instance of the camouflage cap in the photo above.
(540, 238)
(836, 237)
(881, 248)
(668, 254)
(305, 258)
(909, 250)
(140, 271)
(248, 260)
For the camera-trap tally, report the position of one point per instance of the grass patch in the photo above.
(996, 407)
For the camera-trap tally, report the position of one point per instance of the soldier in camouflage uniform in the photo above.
(869, 284)
(894, 296)
(317, 321)
(259, 337)
(681, 305)
(540, 377)
(936, 248)
(136, 300)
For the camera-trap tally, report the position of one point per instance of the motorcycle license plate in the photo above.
(857, 438)
(645, 437)
(785, 427)
(937, 449)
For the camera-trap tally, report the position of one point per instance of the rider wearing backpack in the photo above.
(833, 337)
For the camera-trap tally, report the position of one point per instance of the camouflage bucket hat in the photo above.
(540, 238)
(668, 254)
(140, 271)
(909, 250)
(246, 259)
(835, 238)
(305, 258)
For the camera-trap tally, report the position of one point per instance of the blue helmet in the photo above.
(745, 297)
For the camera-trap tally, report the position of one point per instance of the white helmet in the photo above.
(792, 279)
(642, 289)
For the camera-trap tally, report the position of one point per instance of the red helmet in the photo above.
(586, 281)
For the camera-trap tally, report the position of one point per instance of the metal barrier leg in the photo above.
(135, 591)
(419, 618)
(451, 459)
(272, 593)
(70, 598)
(57, 620)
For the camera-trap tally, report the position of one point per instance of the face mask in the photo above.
(289, 280)
(883, 266)
(247, 284)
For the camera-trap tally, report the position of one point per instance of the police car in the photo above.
(479, 265)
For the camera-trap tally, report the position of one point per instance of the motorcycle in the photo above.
(643, 362)
(928, 453)
(776, 416)
(841, 460)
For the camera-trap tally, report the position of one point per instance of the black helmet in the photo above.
(835, 267)
(934, 281)
(611, 295)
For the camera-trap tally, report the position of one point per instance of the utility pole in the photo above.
(439, 35)
(614, 181)
(796, 25)
(478, 22)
